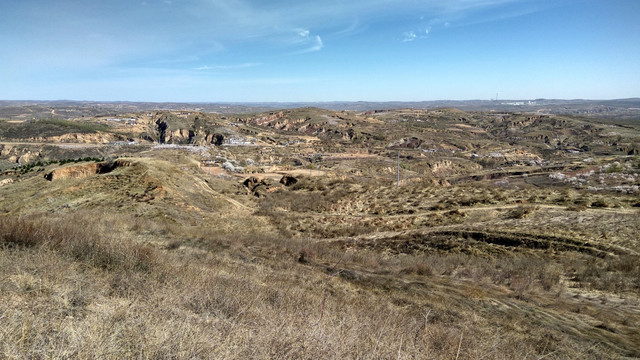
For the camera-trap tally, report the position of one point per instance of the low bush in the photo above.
(522, 211)
(76, 242)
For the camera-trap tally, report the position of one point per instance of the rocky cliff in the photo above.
(86, 170)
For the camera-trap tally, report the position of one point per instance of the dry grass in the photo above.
(60, 305)
(73, 241)
(103, 268)
(72, 291)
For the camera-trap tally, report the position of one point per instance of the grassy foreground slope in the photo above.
(156, 258)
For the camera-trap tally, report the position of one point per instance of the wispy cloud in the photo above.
(409, 36)
(303, 38)
(283, 23)
(337, 18)
(314, 44)
(141, 32)
(353, 28)
(303, 33)
(227, 67)
(460, 13)
(318, 45)
(412, 35)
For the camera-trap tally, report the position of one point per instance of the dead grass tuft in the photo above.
(76, 243)
(522, 211)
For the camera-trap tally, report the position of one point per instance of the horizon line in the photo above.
(313, 101)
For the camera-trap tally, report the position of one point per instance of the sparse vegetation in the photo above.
(48, 127)
(169, 255)
(522, 212)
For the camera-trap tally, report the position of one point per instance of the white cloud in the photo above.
(409, 36)
(353, 28)
(304, 39)
(303, 33)
(143, 31)
(415, 35)
(318, 45)
(288, 23)
(315, 45)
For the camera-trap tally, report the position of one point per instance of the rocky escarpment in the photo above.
(406, 143)
(29, 150)
(265, 120)
(20, 154)
(521, 121)
(79, 138)
(279, 121)
(209, 139)
(86, 170)
(259, 187)
(177, 137)
(169, 133)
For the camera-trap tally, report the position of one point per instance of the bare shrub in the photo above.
(602, 203)
(522, 211)
(421, 268)
(550, 276)
(26, 233)
(78, 243)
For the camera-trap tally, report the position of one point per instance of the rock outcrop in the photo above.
(21, 154)
(80, 138)
(28, 157)
(288, 180)
(406, 143)
(259, 187)
(215, 139)
(85, 170)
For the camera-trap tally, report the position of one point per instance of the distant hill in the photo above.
(625, 109)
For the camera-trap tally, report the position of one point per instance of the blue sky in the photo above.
(331, 50)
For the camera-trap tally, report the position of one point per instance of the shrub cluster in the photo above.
(76, 242)
(23, 169)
